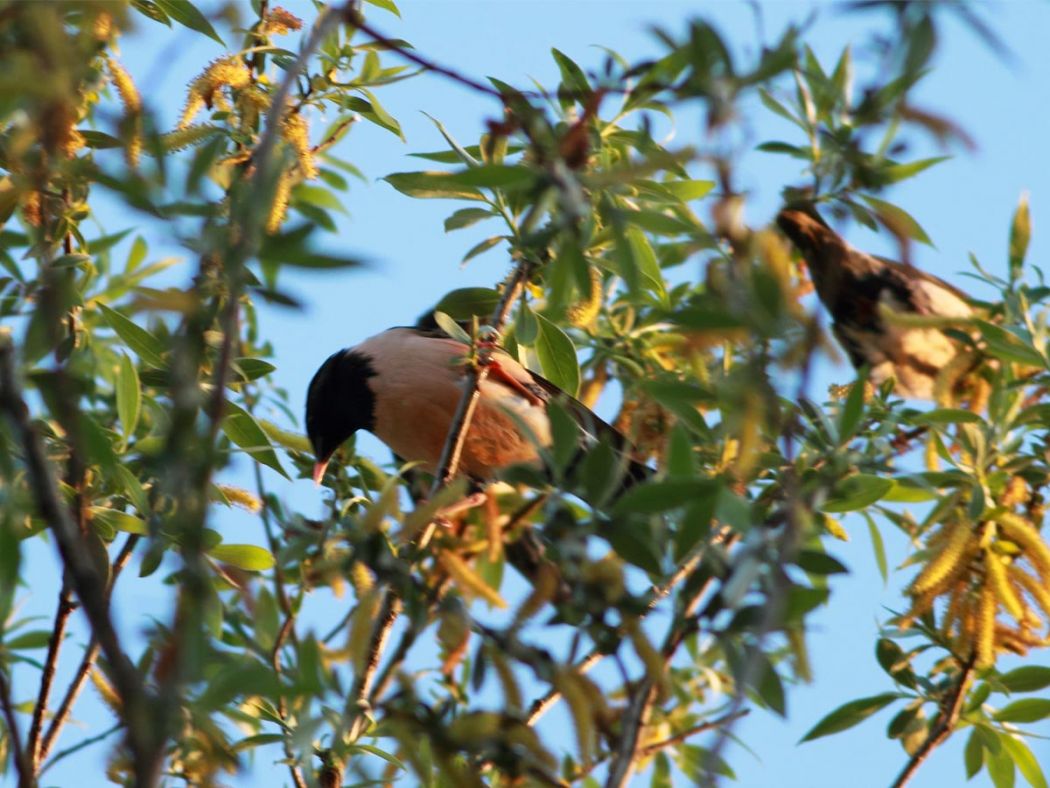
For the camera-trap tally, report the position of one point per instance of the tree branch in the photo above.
(89, 586)
(448, 465)
(21, 758)
(65, 608)
(678, 738)
(951, 708)
(87, 662)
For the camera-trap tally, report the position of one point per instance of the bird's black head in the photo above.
(804, 226)
(338, 403)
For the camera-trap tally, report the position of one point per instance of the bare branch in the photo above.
(65, 608)
(86, 663)
(22, 765)
(678, 738)
(951, 708)
(86, 580)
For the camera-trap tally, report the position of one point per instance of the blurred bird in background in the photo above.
(871, 301)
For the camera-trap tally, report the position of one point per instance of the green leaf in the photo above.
(818, 563)
(899, 221)
(1008, 346)
(662, 496)
(147, 346)
(481, 247)
(317, 196)
(643, 258)
(371, 110)
(466, 302)
(1024, 759)
(243, 556)
(973, 755)
(572, 76)
(689, 190)
(185, 13)
(432, 185)
(1001, 768)
(465, 217)
(242, 429)
(129, 395)
(253, 368)
(1029, 678)
(557, 356)
(857, 492)
(28, 641)
(899, 172)
(945, 416)
(852, 410)
(493, 176)
(119, 521)
(386, 5)
(1024, 710)
(452, 328)
(849, 714)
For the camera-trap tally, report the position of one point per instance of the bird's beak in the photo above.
(319, 469)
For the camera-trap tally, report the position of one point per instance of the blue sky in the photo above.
(964, 204)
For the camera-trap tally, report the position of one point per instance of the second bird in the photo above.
(855, 286)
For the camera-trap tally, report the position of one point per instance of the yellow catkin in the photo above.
(953, 613)
(576, 698)
(206, 89)
(250, 104)
(583, 313)
(1018, 530)
(948, 376)
(1016, 492)
(468, 580)
(296, 132)
(102, 26)
(361, 579)
(1004, 592)
(105, 690)
(132, 101)
(933, 460)
(979, 396)
(1036, 590)
(194, 104)
(280, 22)
(946, 560)
(984, 634)
(279, 206)
(238, 496)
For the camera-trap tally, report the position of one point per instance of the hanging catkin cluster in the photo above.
(995, 579)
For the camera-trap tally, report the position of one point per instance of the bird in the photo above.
(857, 289)
(403, 385)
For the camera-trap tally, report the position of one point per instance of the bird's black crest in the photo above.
(339, 402)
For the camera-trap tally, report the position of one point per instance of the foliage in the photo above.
(127, 385)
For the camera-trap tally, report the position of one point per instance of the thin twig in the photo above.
(951, 708)
(25, 770)
(541, 705)
(448, 466)
(678, 738)
(80, 746)
(636, 717)
(87, 662)
(65, 608)
(282, 704)
(89, 586)
(429, 65)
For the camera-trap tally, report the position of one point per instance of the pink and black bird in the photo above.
(403, 386)
(856, 288)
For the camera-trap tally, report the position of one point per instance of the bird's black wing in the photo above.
(595, 429)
